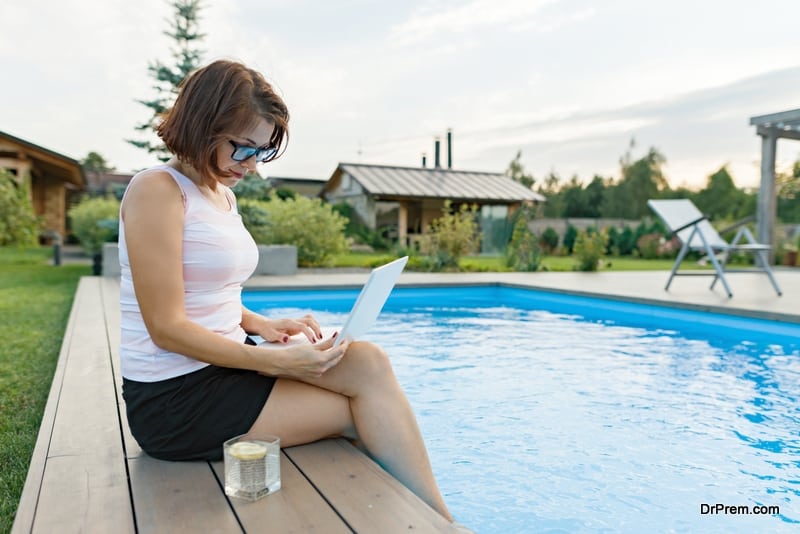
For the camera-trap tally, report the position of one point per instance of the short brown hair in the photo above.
(222, 99)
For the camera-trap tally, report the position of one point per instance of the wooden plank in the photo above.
(87, 415)
(110, 288)
(23, 521)
(297, 507)
(84, 479)
(365, 495)
(84, 493)
(85, 452)
(178, 497)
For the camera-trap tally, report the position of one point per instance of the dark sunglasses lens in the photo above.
(242, 153)
(265, 154)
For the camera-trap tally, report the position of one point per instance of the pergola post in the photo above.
(765, 215)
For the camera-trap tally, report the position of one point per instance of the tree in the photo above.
(94, 162)
(551, 190)
(185, 32)
(572, 193)
(721, 199)
(516, 171)
(641, 180)
(595, 196)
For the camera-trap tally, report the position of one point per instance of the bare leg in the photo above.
(360, 398)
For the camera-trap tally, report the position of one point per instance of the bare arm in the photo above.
(153, 216)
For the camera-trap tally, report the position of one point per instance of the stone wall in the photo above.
(272, 260)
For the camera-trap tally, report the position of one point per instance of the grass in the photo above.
(35, 299)
(497, 263)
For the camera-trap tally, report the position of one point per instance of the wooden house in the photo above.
(402, 201)
(55, 180)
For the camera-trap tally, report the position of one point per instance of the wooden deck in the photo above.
(88, 474)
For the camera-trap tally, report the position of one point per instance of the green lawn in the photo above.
(35, 299)
(497, 263)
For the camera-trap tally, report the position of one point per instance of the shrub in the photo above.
(252, 187)
(451, 236)
(309, 224)
(627, 241)
(569, 238)
(523, 253)
(255, 216)
(649, 245)
(95, 221)
(612, 247)
(549, 240)
(589, 249)
(360, 232)
(19, 225)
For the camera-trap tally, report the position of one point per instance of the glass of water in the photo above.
(252, 467)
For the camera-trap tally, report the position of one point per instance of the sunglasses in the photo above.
(244, 152)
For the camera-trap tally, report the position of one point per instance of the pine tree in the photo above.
(185, 32)
(516, 171)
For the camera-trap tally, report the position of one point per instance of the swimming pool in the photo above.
(550, 412)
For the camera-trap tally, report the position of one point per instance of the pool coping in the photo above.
(753, 297)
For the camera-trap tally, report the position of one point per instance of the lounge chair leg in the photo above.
(761, 257)
(720, 272)
(682, 254)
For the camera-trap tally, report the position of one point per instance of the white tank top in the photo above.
(219, 254)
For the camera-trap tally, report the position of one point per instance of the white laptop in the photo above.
(366, 309)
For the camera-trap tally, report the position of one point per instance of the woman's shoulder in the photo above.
(155, 182)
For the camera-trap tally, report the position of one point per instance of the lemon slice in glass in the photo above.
(247, 450)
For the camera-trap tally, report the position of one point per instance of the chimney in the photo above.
(424, 160)
(449, 148)
(436, 153)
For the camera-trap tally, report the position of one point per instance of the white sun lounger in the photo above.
(696, 233)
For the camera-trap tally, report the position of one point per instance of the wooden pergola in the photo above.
(783, 125)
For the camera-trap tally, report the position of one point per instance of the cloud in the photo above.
(698, 132)
(461, 19)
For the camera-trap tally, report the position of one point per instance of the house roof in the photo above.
(98, 181)
(422, 182)
(58, 165)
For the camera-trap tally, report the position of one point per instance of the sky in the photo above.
(568, 84)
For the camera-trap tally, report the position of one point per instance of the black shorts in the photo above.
(189, 417)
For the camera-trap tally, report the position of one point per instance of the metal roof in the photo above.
(423, 182)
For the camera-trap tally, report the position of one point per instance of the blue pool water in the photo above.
(554, 413)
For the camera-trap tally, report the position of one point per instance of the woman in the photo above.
(192, 377)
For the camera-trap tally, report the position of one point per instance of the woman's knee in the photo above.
(369, 361)
(301, 413)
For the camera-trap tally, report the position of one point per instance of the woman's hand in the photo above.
(280, 330)
(307, 361)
